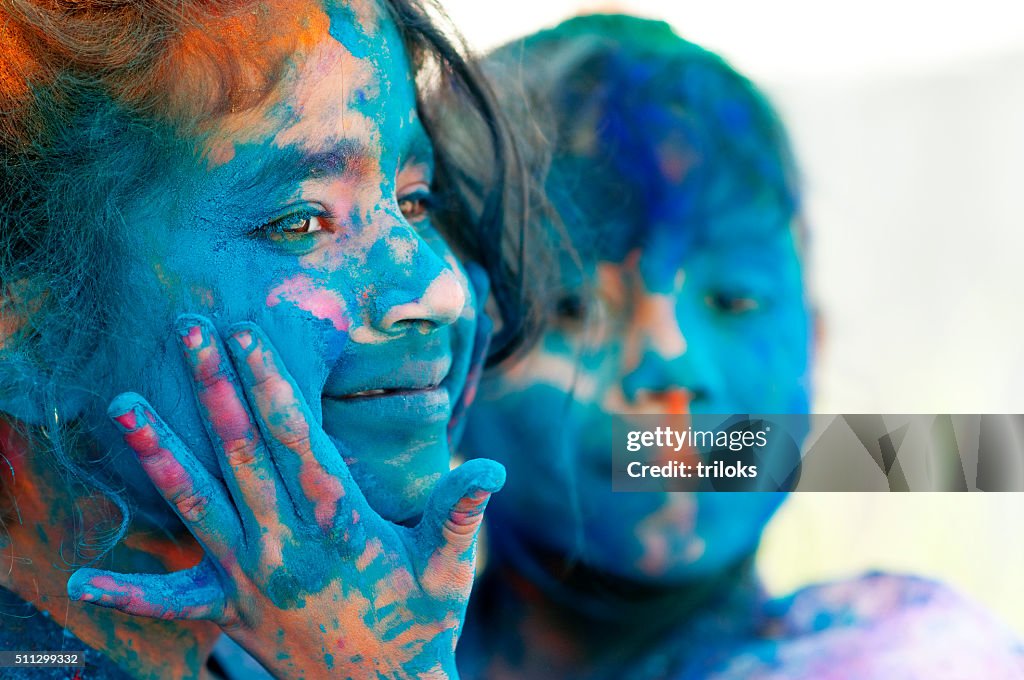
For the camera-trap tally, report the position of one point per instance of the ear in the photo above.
(22, 382)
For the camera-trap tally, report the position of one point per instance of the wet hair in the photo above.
(610, 92)
(78, 76)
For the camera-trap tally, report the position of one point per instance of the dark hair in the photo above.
(625, 85)
(68, 67)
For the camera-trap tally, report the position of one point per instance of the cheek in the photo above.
(304, 311)
(573, 366)
(307, 317)
(300, 295)
(522, 432)
(765, 362)
(790, 357)
(524, 427)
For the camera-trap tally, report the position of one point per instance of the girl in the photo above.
(251, 186)
(675, 181)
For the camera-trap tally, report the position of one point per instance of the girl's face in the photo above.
(713, 322)
(306, 214)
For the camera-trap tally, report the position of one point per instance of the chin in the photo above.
(398, 484)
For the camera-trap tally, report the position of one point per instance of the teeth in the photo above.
(379, 392)
(368, 393)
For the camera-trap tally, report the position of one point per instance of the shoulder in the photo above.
(879, 626)
(871, 600)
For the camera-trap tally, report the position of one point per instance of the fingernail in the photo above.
(243, 338)
(471, 507)
(78, 588)
(80, 594)
(190, 330)
(193, 337)
(127, 413)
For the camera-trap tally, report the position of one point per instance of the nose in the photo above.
(414, 287)
(662, 366)
(671, 384)
(440, 304)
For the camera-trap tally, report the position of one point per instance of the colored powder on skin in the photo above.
(303, 293)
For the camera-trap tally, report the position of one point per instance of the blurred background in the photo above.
(908, 120)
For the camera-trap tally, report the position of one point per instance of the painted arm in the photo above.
(299, 570)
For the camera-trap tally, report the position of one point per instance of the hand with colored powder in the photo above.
(299, 570)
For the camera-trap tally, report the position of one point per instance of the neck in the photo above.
(44, 523)
(534, 614)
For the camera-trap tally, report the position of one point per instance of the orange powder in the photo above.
(17, 64)
(229, 62)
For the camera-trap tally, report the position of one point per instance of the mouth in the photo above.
(412, 377)
(400, 401)
(391, 405)
(377, 393)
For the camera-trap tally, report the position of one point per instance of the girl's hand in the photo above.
(299, 570)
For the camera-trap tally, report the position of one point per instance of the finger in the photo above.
(451, 522)
(312, 469)
(481, 342)
(195, 594)
(246, 464)
(199, 499)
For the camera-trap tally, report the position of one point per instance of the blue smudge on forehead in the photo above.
(656, 145)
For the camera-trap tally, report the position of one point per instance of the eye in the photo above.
(415, 201)
(305, 225)
(732, 304)
(293, 226)
(413, 208)
(570, 310)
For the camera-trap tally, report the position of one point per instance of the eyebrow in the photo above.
(294, 165)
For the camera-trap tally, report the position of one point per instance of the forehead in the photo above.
(724, 224)
(340, 79)
(668, 156)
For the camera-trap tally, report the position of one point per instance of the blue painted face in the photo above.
(307, 215)
(679, 319)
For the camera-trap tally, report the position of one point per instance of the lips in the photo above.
(384, 392)
(413, 377)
